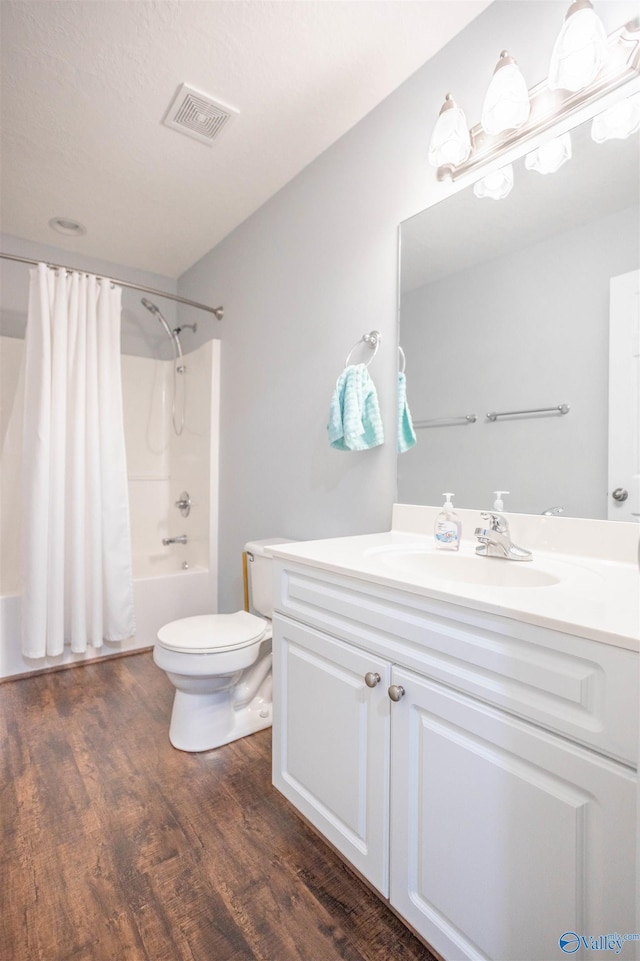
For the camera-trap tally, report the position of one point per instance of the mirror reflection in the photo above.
(506, 307)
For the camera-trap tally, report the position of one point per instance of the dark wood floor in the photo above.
(116, 847)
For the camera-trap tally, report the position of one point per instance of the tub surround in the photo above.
(161, 464)
(592, 589)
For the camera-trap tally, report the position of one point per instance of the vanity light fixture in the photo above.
(496, 185)
(580, 51)
(458, 152)
(549, 156)
(617, 122)
(450, 141)
(506, 103)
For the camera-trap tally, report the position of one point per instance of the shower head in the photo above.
(156, 312)
(150, 306)
(171, 334)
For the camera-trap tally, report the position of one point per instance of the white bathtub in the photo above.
(163, 592)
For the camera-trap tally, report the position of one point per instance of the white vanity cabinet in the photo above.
(503, 837)
(331, 754)
(494, 802)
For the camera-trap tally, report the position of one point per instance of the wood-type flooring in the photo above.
(116, 847)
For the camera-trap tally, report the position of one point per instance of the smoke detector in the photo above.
(197, 115)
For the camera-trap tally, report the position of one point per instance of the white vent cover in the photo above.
(197, 115)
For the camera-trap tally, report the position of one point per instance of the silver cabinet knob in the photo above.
(371, 679)
(620, 494)
(396, 691)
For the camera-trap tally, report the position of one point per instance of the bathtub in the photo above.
(163, 591)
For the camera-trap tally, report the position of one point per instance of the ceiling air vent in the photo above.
(197, 115)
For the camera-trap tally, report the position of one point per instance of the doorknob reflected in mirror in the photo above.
(184, 504)
(620, 494)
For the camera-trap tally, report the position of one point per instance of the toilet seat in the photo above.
(212, 633)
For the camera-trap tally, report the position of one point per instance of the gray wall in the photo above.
(314, 269)
(528, 329)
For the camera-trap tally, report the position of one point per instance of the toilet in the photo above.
(220, 665)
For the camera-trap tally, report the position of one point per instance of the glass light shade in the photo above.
(550, 156)
(618, 121)
(496, 185)
(580, 50)
(506, 103)
(450, 140)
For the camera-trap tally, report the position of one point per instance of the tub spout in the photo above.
(174, 540)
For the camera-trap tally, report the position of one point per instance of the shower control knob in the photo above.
(372, 679)
(396, 691)
(620, 494)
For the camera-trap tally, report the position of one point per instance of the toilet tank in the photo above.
(259, 574)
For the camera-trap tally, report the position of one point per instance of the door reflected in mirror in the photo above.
(507, 307)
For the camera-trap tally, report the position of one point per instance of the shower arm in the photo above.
(178, 330)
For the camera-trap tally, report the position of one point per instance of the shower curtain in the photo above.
(77, 584)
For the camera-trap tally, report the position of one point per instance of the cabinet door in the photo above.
(504, 837)
(331, 742)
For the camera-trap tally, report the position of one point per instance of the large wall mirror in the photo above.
(505, 306)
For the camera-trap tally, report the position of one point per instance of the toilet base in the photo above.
(201, 722)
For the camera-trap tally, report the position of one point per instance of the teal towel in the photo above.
(354, 417)
(406, 433)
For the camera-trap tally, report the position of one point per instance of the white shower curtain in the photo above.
(77, 584)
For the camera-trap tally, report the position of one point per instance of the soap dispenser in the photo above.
(498, 504)
(447, 527)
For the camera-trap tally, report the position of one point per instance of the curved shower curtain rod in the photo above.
(218, 311)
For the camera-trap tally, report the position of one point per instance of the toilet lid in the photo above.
(208, 633)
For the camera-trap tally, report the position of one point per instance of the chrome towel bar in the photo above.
(560, 409)
(447, 421)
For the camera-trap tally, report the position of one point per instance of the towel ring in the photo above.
(372, 340)
(402, 358)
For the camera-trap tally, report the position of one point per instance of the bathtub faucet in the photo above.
(174, 540)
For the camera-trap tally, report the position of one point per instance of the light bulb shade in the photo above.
(580, 50)
(496, 185)
(506, 103)
(450, 140)
(618, 121)
(550, 156)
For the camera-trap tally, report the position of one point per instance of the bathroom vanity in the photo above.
(464, 730)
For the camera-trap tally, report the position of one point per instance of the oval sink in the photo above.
(466, 568)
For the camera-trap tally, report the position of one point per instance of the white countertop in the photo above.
(593, 597)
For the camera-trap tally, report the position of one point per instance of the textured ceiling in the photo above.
(86, 84)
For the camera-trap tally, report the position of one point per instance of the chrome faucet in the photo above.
(174, 540)
(495, 540)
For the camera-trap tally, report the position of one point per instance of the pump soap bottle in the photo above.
(447, 527)
(498, 504)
